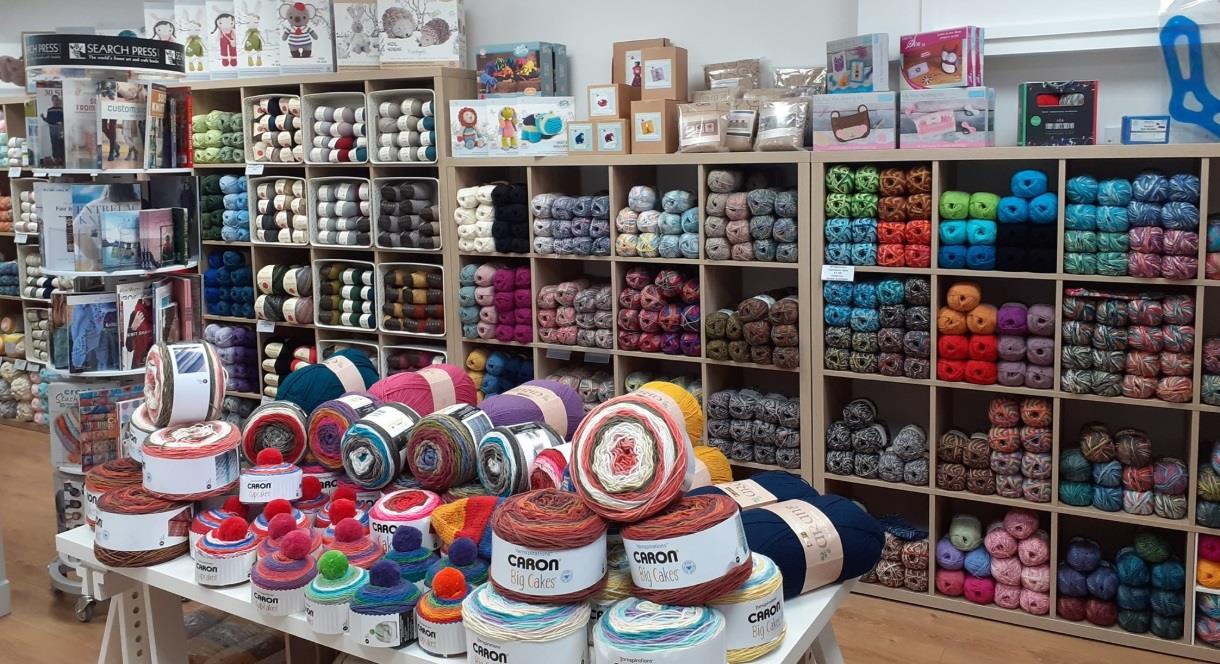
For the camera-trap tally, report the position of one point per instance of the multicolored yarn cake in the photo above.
(312, 499)
(462, 556)
(206, 520)
(352, 540)
(329, 594)
(440, 609)
(383, 610)
(282, 525)
(225, 554)
(262, 523)
(412, 558)
(278, 581)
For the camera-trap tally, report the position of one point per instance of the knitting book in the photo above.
(186, 289)
(63, 416)
(157, 153)
(157, 239)
(92, 322)
(100, 429)
(120, 236)
(90, 204)
(80, 124)
(45, 128)
(167, 326)
(137, 322)
(122, 111)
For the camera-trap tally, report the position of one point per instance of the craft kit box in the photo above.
(357, 34)
(527, 68)
(858, 64)
(510, 127)
(664, 73)
(628, 65)
(422, 32)
(951, 58)
(611, 100)
(1057, 113)
(612, 136)
(654, 126)
(946, 118)
(259, 30)
(306, 36)
(860, 121)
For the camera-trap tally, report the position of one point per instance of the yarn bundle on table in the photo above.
(280, 358)
(1207, 507)
(747, 425)
(406, 129)
(878, 327)
(498, 371)
(216, 138)
(1008, 564)
(237, 347)
(659, 312)
(342, 208)
(413, 300)
(594, 386)
(984, 231)
(339, 135)
(904, 558)
(1117, 471)
(748, 220)
(1140, 587)
(496, 302)
(282, 214)
(860, 444)
(1146, 227)
(277, 130)
(761, 329)
(285, 294)
(408, 216)
(576, 313)
(27, 221)
(571, 225)
(1011, 459)
(1136, 345)
(228, 284)
(879, 217)
(653, 226)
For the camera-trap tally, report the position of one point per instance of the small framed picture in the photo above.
(580, 137)
(611, 136)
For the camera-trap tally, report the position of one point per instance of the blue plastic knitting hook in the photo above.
(1192, 86)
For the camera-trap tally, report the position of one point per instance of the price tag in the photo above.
(556, 354)
(21, 238)
(838, 273)
(14, 171)
(40, 174)
(20, 365)
(597, 358)
(265, 326)
(254, 169)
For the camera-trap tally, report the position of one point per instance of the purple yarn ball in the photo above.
(1038, 377)
(1040, 320)
(1011, 349)
(1011, 319)
(1011, 374)
(948, 556)
(1040, 351)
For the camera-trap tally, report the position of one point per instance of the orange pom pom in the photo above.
(449, 584)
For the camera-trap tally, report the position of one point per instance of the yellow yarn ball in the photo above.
(686, 403)
(476, 359)
(716, 462)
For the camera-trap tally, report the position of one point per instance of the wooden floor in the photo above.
(43, 628)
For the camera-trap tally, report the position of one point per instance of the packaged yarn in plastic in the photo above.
(404, 127)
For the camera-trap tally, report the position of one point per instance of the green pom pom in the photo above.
(983, 205)
(954, 205)
(839, 179)
(867, 179)
(333, 565)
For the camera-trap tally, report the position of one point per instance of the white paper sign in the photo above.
(838, 273)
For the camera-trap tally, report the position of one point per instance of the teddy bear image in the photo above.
(358, 42)
(299, 35)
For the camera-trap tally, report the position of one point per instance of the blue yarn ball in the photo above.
(836, 315)
(1143, 214)
(1103, 581)
(1114, 192)
(1133, 598)
(952, 232)
(1169, 575)
(1108, 474)
(1209, 605)
(980, 231)
(980, 257)
(690, 220)
(1073, 466)
(1044, 209)
(837, 292)
(1150, 187)
(1078, 494)
(1108, 498)
(837, 253)
(863, 229)
(1071, 582)
(1180, 216)
(869, 320)
(951, 256)
(863, 254)
(838, 229)
(1184, 187)
(312, 385)
(890, 291)
(1080, 217)
(1012, 210)
(864, 294)
(1168, 603)
(216, 260)
(978, 562)
(1213, 234)
(1081, 189)
(1112, 219)
(948, 556)
(1132, 570)
(1083, 554)
(1028, 183)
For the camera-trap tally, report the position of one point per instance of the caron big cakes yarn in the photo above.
(877, 327)
(878, 218)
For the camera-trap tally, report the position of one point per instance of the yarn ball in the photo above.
(1170, 476)
(314, 384)
(1152, 547)
(950, 582)
(978, 562)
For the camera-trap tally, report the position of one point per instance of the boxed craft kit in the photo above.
(860, 121)
(357, 34)
(947, 118)
(527, 68)
(1057, 113)
(628, 66)
(858, 64)
(422, 32)
(510, 127)
(951, 58)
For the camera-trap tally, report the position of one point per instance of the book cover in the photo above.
(156, 133)
(167, 328)
(53, 201)
(180, 134)
(80, 124)
(159, 22)
(120, 240)
(122, 112)
(63, 418)
(186, 297)
(182, 229)
(89, 203)
(189, 19)
(33, 133)
(157, 241)
(137, 322)
(258, 23)
(221, 38)
(100, 429)
(93, 332)
(47, 141)
(126, 408)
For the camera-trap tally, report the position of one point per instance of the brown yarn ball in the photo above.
(893, 182)
(919, 180)
(915, 554)
(1036, 412)
(785, 335)
(786, 358)
(1036, 439)
(891, 574)
(951, 446)
(892, 550)
(786, 311)
(1132, 447)
(892, 208)
(917, 580)
(951, 476)
(762, 354)
(919, 206)
(977, 453)
(980, 481)
(1096, 443)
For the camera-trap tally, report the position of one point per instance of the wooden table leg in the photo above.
(825, 648)
(144, 626)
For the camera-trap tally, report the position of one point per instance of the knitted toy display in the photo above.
(576, 313)
(38, 339)
(1137, 345)
(1007, 565)
(904, 558)
(495, 302)
(339, 135)
(982, 231)
(406, 129)
(1207, 507)
(747, 220)
(281, 211)
(407, 216)
(341, 212)
(878, 326)
(1117, 471)
(571, 225)
(659, 312)
(1139, 587)
(276, 129)
(879, 216)
(653, 226)
(1012, 459)
(1147, 227)
(860, 444)
(761, 330)
(399, 359)
(282, 357)
(211, 208)
(493, 218)
(497, 371)
(228, 284)
(235, 218)
(285, 292)
(237, 347)
(346, 295)
(217, 138)
(413, 301)
(750, 426)
(593, 386)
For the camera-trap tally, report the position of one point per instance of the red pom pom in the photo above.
(277, 506)
(348, 530)
(268, 456)
(342, 509)
(233, 506)
(311, 487)
(449, 584)
(295, 545)
(232, 529)
(343, 492)
(280, 525)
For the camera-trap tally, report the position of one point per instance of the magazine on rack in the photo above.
(80, 124)
(120, 237)
(72, 221)
(158, 245)
(88, 324)
(137, 322)
(122, 112)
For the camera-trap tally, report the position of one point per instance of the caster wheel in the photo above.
(84, 609)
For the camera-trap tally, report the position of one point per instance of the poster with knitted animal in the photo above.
(357, 34)
(423, 31)
(221, 38)
(189, 21)
(306, 36)
(258, 33)
(159, 22)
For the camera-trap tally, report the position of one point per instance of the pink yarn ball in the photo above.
(1036, 578)
(951, 582)
(1035, 603)
(1007, 571)
(427, 390)
(1209, 547)
(999, 543)
(1213, 265)
(1008, 596)
(1034, 550)
(1020, 523)
(979, 590)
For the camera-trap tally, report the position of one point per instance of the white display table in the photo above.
(144, 623)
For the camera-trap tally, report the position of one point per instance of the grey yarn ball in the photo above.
(742, 451)
(641, 198)
(719, 427)
(916, 472)
(785, 203)
(714, 226)
(761, 201)
(839, 462)
(723, 181)
(859, 412)
(718, 249)
(764, 250)
(910, 443)
(764, 453)
(786, 252)
(889, 467)
(785, 437)
(866, 465)
(716, 204)
(784, 229)
(742, 430)
(788, 457)
(870, 440)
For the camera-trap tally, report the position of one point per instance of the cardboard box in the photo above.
(950, 58)
(222, 43)
(470, 128)
(628, 65)
(581, 137)
(611, 137)
(510, 127)
(654, 126)
(861, 121)
(664, 73)
(947, 118)
(1145, 129)
(611, 100)
(440, 40)
(858, 64)
(521, 69)
(1057, 113)
(357, 34)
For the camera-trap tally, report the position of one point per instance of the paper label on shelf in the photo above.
(539, 573)
(254, 169)
(14, 171)
(381, 630)
(267, 326)
(838, 273)
(556, 354)
(597, 358)
(688, 560)
(21, 238)
(40, 174)
(20, 365)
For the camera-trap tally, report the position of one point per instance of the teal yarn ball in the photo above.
(839, 179)
(1132, 570)
(1166, 627)
(1136, 622)
(1107, 498)
(313, 385)
(1152, 547)
(1078, 494)
(1207, 513)
(1081, 189)
(1209, 605)
(1108, 474)
(1074, 467)
(1133, 598)
(1168, 603)
(1169, 575)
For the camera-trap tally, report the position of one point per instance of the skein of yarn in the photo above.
(754, 613)
(373, 450)
(506, 454)
(442, 449)
(137, 529)
(331, 420)
(538, 632)
(398, 509)
(764, 488)
(552, 402)
(191, 462)
(278, 425)
(348, 370)
(554, 534)
(184, 383)
(549, 469)
(640, 630)
(107, 477)
(427, 390)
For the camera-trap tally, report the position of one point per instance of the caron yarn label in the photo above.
(140, 532)
(547, 573)
(755, 622)
(475, 420)
(263, 488)
(382, 532)
(444, 639)
(688, 560)
(183, 477)
(572, 648)
(381, 631)
(748, 493)
(820, 540)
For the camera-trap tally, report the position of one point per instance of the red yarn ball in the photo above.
(277, 506)
(311, 487)
(1071, 608)
(951, 582)
(1209, 547)
(1101, 613)
(449, 584)
(233, 505)
(979, 590)
(345, 492)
